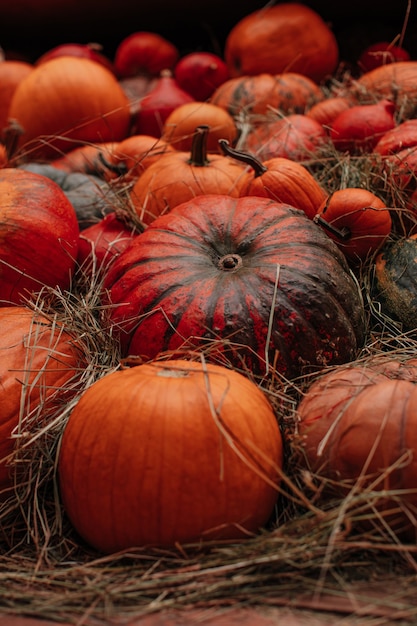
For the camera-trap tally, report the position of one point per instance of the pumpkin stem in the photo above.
(118, 168)
(343, 234)
(198, 156)
(230, 262)
(258, 167)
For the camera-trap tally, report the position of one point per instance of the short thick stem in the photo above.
(198, 156)
(230, 262)
(342, 234)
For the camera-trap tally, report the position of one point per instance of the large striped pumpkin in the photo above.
(254, 275)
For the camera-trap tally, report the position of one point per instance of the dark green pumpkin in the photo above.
(396, 280)
(255, 276)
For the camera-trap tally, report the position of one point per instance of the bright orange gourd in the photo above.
(168, 453)
(68, 101)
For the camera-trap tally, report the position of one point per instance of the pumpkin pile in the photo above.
(187, 239)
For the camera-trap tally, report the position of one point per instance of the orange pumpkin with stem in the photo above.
(180, 126)
(357, 220)
(208, 467)
(180, 176)
(281, 179)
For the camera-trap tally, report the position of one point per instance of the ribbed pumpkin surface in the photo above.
(250, 271)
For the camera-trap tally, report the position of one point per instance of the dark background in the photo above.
(31, 27)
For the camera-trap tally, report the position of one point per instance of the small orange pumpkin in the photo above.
(180, 126)
(357, 220)
(180, 176)
(281, 179)
(172, 452)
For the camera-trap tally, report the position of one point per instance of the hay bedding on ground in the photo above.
(311, 556)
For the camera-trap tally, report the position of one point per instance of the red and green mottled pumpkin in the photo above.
(255, 276)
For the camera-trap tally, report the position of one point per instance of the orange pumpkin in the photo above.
(180, 126)
(288, 92)
(172, 452)
(294, 136)
(392, 80)
(130, 157)
(84, 159)
(40, 367)
(66, 102)
(286, 37)
(11, 74)
(325, 111)
(180, 176)
(356, 432)
(281, 179)
(357, 220)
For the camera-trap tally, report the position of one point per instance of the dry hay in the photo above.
(312, 555)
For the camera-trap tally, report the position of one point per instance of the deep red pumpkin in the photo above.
(38, 235)
(252, 273)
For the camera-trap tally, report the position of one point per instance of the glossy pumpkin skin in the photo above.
(38, 235)
(284, 37)
(396, 280)
(360, 220)
(288, 92)
(355, 423)
(214, 268)
(39, 369)
(181, 124)
(170, 452)
(66, 102)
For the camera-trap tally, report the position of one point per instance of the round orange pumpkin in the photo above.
(280, 179)
(167, 453)
(180, 126)
(288, 92)
(39, 371)
(356, 432)
(286, 37)
(65, 102)
(357, 220)
(182, 175)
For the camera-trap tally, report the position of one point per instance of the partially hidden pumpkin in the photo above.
(396, 280)
(253, 281)
(169, 453)
(356, 434)
(40, 370)
(286, 92)
(38, 236)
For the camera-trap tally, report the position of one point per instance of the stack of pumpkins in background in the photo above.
(184, 189)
